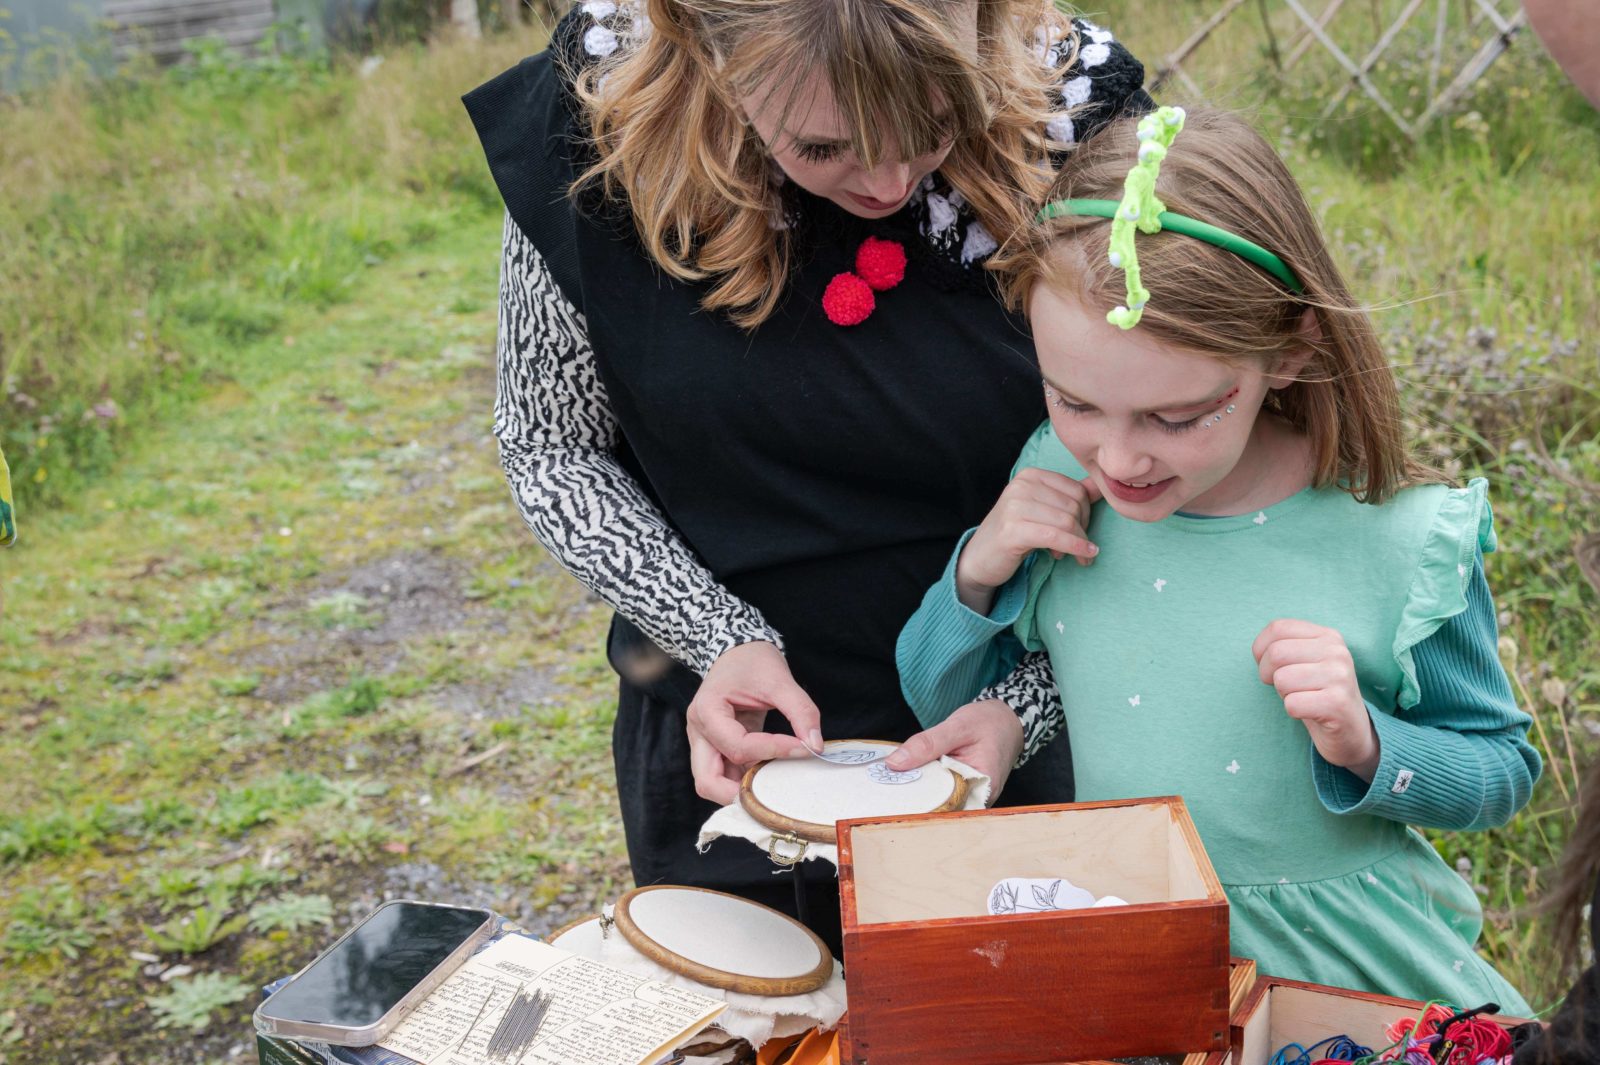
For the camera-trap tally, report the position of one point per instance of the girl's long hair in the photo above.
(1211, 301)
(669, 138)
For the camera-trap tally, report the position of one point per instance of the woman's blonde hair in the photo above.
(1206, 299)
(670, 139)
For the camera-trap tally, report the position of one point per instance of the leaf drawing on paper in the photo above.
(1003, 899)
(1046, 896)
(851, 757)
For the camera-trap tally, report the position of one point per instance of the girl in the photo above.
(681, 415)
(1249, 592)
(1573, 1037)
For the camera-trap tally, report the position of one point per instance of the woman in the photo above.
(763, 493)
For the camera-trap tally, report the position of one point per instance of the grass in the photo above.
(246, 315)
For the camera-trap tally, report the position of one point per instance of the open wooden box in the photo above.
(1278, 1012)
(933, 977)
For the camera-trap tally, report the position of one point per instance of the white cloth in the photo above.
(754, 1018)
(732, 820)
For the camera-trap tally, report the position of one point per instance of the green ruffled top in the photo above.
(1151, 647)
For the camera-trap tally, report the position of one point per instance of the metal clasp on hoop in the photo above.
(793, 840)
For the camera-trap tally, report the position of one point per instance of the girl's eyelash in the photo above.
(1175, 427)
(1161, 423)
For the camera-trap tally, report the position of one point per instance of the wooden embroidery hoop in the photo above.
(573, 926)
(744, 983)
(813, 832)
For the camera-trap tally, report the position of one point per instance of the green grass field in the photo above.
(274, 642)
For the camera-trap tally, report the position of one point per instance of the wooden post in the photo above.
(1169, 67)
(464, 17)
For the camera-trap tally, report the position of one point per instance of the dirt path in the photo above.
(299, 646)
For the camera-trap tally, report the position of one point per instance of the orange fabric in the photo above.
(813, 1048)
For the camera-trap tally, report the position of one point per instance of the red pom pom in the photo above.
(847, 300)
(881, 263)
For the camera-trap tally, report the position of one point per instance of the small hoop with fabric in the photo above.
(802, 799)
(723, 941)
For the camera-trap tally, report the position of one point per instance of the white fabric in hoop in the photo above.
(732, 820)
(755, 1018)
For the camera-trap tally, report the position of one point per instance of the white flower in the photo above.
(1060, 129)
(1260, 518)
(1092, 55)
(599, 41)
(1060, 627)
(1134, 700)
(1233, 767)
(1161, 582)
(1077, 91)
(1094, 33)
(979, 243)
(941, 214)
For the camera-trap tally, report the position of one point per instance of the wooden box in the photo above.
(1278, 1012)
(933, 977)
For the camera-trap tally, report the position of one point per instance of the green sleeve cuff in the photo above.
(1425, 776)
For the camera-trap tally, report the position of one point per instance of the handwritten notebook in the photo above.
(597, 1015)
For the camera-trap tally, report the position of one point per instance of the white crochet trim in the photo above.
(941, 213)
(979, 243)
(1092, 55)
(599, 41)
(1060, 129)
(1076, 92)
(1095, 33)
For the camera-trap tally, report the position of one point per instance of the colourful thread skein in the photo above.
(1471, 1040)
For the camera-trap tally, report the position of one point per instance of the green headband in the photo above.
(1141, 210)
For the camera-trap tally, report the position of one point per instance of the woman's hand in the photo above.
(1038, 509)
(987, 736)
(727, 714)
(1311, 668)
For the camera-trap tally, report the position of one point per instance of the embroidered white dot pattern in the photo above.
(1060, 627)
(1134, 700)
(1260, 518)
(1233, 767)
(1161, 582)
(1371, 879)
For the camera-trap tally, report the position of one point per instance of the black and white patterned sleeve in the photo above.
(557, 434)
(1030, 690)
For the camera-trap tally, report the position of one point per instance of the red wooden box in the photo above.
(933, 977)
(1278, 1012)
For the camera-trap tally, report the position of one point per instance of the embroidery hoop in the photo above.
(640, 922)
(579, 930)
(795, 826)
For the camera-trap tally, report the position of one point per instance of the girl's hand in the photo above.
(1311, 668)
(1038, 509)
(729, 710)
(987, 736)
